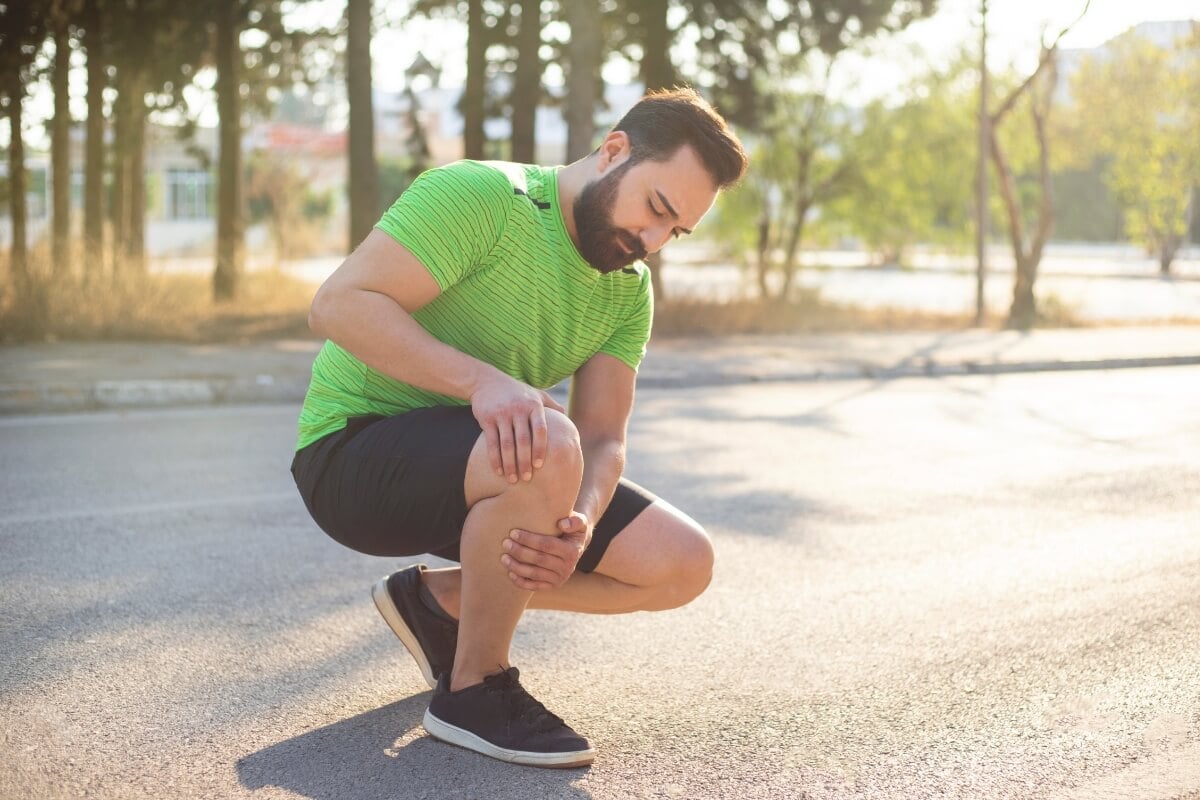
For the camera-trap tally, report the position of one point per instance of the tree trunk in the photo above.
(795, 236)
(763, 252)
(1166, 253)
(657, 73)
(527, 84)
(1023, 312)
(135, 244)
(60, 154)
(230, 235)
(121, 168)
(656, 68)
(93, 183)
(19, 258)
(473, 94)
(583, 76)
(364, 171)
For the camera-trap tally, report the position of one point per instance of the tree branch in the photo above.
(1047, 54)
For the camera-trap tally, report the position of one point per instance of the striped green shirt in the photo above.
(515, 292)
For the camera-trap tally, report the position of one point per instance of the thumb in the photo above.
(550, 402)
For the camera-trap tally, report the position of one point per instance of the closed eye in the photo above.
(657, 213)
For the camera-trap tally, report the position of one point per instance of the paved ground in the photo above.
(967, 586)
(67, 376)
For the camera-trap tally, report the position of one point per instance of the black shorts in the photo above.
(394, 486)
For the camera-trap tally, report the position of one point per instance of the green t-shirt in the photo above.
(515, 292)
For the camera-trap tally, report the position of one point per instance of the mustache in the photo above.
(631, 243)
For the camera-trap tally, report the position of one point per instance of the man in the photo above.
(426, 428)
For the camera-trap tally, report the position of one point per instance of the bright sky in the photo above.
(1014, 34)
(1015, 27)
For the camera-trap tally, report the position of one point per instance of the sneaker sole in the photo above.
(465, 739)
(391, 615)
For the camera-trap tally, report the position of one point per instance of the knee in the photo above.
(563, 450)
(693, 566)
(563, 465)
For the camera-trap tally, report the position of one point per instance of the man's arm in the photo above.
(366, 307)
(601, 402)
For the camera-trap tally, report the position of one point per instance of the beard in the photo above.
(600, 242)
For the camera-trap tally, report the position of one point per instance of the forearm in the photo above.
(603, 463)
(375, 329)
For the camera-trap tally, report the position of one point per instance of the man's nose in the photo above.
(656, 238)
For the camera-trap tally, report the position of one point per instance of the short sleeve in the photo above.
(628, 342)
(450, 218)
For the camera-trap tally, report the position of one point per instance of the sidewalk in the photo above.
(68, 377)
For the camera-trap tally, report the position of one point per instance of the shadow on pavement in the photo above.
(384, 753)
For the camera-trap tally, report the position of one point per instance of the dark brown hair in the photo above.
(665, 120)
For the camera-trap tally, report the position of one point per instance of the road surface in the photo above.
(976, 587)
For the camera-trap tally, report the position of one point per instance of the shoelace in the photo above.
(519, 703)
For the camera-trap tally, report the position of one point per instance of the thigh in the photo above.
(654, 546)
(393, 486)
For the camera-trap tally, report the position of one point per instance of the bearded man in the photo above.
(427, 427)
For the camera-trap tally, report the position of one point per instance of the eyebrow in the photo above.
(670, 208)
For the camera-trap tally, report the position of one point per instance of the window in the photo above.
(189, 194)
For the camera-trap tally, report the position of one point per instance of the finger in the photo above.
(530, 586)
(532, 573)
(552, 545)
(532, 557)
(508, 450)
(550, 401)
(524, 448)
(537, 423)
(493, 448)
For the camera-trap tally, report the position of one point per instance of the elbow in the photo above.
(318, 314)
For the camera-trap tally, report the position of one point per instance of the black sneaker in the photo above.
(430, 638)
(500, 719)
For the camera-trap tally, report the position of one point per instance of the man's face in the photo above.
(634, 209)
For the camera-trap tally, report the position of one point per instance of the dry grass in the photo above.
(154, 307)
(274, 305)
(807, 312)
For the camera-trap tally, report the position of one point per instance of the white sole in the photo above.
(391, 615)
(457, 736)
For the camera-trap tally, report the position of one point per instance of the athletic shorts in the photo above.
(394, 486)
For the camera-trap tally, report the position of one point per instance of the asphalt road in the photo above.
(976, 587)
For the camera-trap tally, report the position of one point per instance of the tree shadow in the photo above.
(384, 753)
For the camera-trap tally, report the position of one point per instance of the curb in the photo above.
(28, 398)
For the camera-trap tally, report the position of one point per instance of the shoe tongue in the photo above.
(504, 677)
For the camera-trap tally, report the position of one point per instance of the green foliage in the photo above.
(395, 174)
(1138, 110)
(798, 167)
(916, 167)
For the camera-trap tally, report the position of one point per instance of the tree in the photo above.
(364, 172)
(93, 178)
(527, 81)
(22, 31)
(1028, 245)
(1137, 111)
(61, 14)
(279, 58)
(584, 59)
(229, 20)
(803, 167)
(914, 176)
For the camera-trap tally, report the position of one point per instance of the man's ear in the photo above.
(614, 151)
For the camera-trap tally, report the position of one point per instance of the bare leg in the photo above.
(662, 560)
(489, 604)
